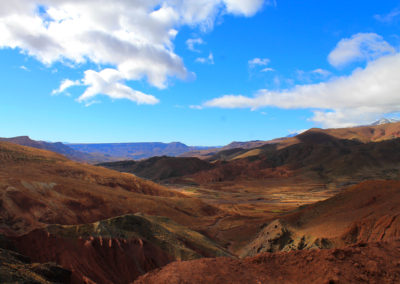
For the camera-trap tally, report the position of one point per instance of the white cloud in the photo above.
(191, 42)
(312, 76)
(133, 37)
(258, 62)
(267, 69)
(390, 17)
(23, 67)
(321, 72)
(109, 82)
(360, 47)
(247, 8)
(365, 95)
(206, 60)
(65, 84)
(90, 103)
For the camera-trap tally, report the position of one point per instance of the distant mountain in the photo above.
(136, 151)
(385, 121)
(108, 152)
(57, 147)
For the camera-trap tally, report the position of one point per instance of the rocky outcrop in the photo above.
(279, 236)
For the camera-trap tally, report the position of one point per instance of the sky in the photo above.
(202, 72)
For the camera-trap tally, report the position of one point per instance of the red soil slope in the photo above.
(362, 263)
(38, 187)
(116, 250)
(94, 259)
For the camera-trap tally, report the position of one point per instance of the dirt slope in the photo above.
(362, 263)
(116, 250)
(367, 212)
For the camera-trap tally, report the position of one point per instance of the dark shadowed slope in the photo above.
(17, 268)
(365, 134)
(160, 168)
(318, 156)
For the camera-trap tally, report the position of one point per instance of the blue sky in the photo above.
(201, 72)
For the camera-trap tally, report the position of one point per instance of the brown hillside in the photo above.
(40, 187)
(367, 212)
(317, 155)
(361, 263)
(364, 134)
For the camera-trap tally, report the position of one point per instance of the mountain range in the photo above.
(97, 153)
(320, 207)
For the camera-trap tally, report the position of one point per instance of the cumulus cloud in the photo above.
(360, 47)
(109, 82)
(206, 60)
(134, 37)
(258, 62)
(247, 8)
(365, 95)
(192, 42)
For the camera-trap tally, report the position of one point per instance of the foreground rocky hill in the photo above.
(360, 263)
